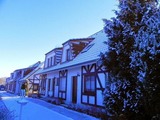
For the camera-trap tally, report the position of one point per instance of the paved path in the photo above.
(30, 111)
(69, 114)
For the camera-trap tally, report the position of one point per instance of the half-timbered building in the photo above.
(12, 81)
(32, 81)
(10, 84)
(77, 78)
(20, 76)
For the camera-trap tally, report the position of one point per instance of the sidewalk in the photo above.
(43, 110)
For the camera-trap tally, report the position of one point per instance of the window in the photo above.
(89, 84)
(87, 48)
(62, 83)
(54, 62)
(35, 87)
(48, 62)
(51, 61)
(68, 55)
(43, 84)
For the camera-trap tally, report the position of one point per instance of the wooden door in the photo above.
(74, 89)
(53, 85)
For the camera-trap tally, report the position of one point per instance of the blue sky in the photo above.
(31, 28)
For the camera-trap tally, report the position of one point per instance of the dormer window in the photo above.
(87, 48)
(68, 55)
(54, 60)
(12, 75)
(51, 61)
(48, 62)
(53, 57)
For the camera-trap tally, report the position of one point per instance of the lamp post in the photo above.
(22, 102)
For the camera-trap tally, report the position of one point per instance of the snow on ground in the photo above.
(37, 109)
(31, 111)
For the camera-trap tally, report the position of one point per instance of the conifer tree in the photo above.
(128, 76)
(146, 60)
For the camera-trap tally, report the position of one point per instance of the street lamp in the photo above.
(22, 102)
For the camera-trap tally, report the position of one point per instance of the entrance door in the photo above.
(53, 85)
(74, 89)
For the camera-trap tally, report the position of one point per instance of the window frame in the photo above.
(35, 87)
(87, 48)
(90, 79)
(51, 61)
(68, 55)
(54, 60)
(60, 84)
(48, 59)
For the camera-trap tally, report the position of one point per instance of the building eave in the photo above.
(69, 66)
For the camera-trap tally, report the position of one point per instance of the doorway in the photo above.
(74, 89)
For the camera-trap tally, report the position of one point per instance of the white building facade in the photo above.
(23, 75)
(76, 77)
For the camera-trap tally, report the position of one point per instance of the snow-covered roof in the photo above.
(35, 64)
(37, 69)
(89, 54)
(31, 66)
(58, 48)
(78, 39)
(10, 80)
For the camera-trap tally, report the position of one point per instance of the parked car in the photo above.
(2, 87)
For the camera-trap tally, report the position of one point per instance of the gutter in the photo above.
(75, 65)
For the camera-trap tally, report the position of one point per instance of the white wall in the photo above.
(99, 93)
(73, 72)
(51, 76)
